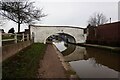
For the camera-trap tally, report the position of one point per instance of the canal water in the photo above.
(91, 62)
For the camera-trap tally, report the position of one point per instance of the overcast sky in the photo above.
(72, 12)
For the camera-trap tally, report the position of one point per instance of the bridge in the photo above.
(42, 33)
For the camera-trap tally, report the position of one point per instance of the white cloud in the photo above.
(66, 12)
(77, 13)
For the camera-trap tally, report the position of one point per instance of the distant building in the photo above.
(107, 34)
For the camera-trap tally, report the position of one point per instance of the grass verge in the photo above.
(24, 64)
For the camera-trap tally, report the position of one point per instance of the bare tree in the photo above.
(21, 12)
(97, 19)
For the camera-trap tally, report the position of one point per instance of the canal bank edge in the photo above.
(65, 64)
(114, 49)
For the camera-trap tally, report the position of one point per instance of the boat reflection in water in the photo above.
(91, 62)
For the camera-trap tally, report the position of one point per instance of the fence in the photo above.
(14, 38)
(13, 43)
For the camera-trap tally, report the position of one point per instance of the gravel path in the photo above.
(50, 66)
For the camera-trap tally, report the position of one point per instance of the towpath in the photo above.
(50, 66)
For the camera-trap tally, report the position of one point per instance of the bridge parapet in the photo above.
(41, 33)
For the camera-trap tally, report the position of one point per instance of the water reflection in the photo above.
(78, 54)
(105, 57)
(70, 49)
(92, 62)
(60, 45)
(90, 69)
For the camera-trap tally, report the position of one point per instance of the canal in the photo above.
(91, 62)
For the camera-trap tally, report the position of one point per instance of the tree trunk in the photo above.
(18, 27)
(18, 18)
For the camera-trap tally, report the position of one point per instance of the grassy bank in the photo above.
(24, 64)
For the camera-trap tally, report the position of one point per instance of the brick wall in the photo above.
(107, 34)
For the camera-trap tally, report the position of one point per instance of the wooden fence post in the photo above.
(15, 36)
(27, 37)
(23, 37)
(0, 39)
